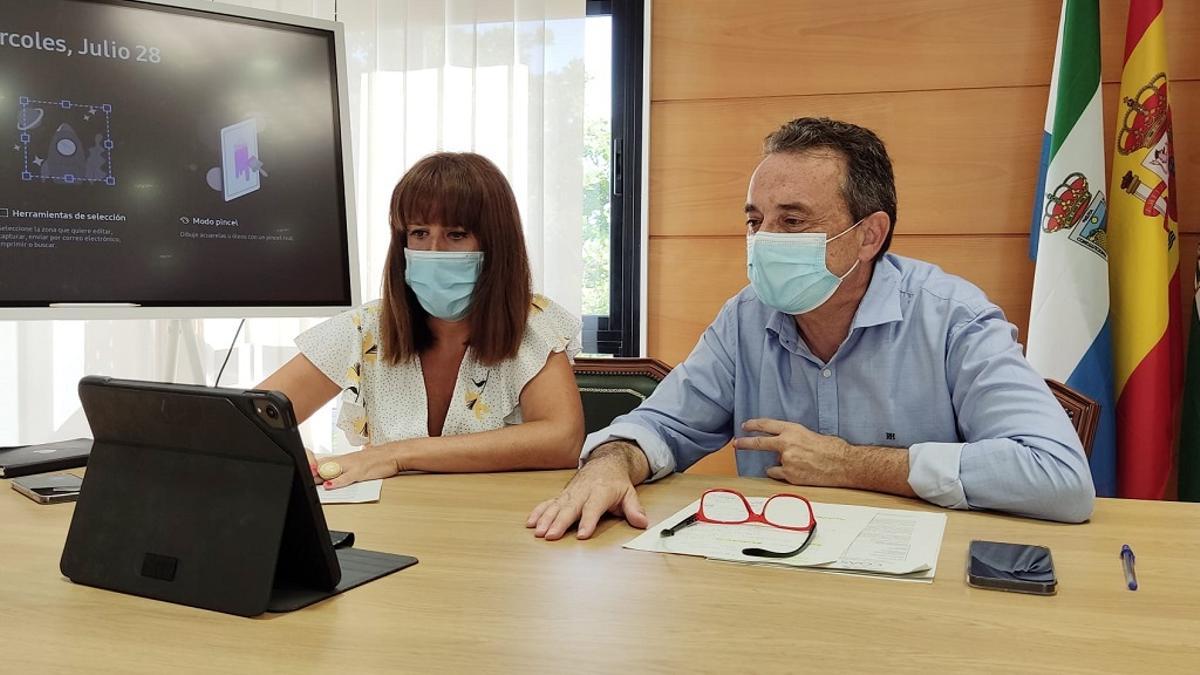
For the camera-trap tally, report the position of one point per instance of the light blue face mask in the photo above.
(443, 280)
(788, 271)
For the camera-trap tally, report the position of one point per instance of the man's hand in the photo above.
(809, 458)
(805, 457)
(602, 484)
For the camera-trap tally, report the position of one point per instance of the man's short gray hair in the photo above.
(869, 184)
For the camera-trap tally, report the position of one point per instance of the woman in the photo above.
(459, 367)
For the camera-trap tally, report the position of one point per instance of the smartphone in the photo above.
(1019, 568)
(49, 489)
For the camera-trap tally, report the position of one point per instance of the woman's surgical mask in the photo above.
(443, 281)
(788, 271)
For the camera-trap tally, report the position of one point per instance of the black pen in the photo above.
(1127, 564)
(670, 531)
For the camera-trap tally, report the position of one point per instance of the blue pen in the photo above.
(1127, 563)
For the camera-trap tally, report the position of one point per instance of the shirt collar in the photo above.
(879, 305)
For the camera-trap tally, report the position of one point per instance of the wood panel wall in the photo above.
(956, 88)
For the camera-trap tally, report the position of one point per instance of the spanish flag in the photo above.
(1144, 263)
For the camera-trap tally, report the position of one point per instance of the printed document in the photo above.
(890, 543)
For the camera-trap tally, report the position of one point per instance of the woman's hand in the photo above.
(373, 462)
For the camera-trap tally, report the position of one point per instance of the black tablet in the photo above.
(203, 496)
(23, 460)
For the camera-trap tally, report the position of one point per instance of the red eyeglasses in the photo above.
(722, 506)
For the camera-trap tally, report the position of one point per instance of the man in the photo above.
(843, 366)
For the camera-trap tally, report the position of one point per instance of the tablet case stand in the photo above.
(189, 498)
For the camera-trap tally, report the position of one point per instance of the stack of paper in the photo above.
(849, 540)
(355, 493)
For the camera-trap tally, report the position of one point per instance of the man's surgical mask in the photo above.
(788, 271)
(443, 281)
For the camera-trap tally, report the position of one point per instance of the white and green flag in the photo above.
(1069, 333)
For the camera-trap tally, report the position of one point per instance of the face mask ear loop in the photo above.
(855, 265)
(849, 271)
(845, 230)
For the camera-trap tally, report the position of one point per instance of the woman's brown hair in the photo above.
(468, 191)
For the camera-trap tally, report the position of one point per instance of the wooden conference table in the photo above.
(488, 596)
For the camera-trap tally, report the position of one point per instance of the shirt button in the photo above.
(826, 373)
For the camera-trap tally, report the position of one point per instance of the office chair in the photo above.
(1083, 412)
(611, 387)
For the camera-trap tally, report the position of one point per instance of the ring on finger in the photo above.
(329, 470)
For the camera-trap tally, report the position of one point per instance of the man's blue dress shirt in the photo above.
(929, 364)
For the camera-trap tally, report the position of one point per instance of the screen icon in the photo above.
(240, 166)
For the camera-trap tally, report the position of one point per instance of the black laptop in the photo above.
(203, 497)
(22, 460)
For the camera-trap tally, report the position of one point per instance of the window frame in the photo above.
(619, 332)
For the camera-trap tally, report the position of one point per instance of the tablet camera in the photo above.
(269, 413)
